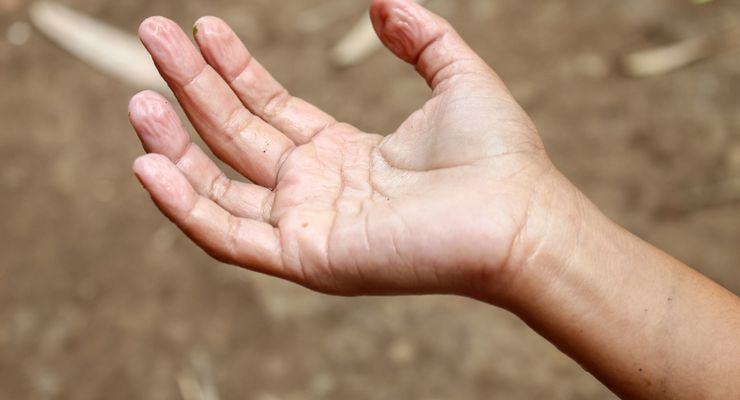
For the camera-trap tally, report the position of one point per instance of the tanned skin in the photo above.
(460, 199)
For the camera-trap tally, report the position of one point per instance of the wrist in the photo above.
(616, 304)
(555, 221)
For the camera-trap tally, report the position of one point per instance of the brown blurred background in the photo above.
(101, 297)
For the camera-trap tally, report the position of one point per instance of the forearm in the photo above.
(640, 321)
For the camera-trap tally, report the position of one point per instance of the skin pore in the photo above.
(348, 212)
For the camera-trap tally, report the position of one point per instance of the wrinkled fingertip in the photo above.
(154, 25)
(141, 103)
(141, 170)
(381, 10)
(146, 165)
(165, 183)
(403, 26)
(221, 47)
(207, 25)
(157, 125)
(171, 49)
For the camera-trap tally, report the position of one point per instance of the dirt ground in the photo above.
(100, 297)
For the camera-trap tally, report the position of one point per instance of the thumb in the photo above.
(428, 42)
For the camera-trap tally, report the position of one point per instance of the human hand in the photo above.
(460, 199)
(443, 205)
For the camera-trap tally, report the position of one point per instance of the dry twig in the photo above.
(661, 60)
(108, 49)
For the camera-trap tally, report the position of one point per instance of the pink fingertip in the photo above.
(145, 166)
(167, 186)
(171, 49)
(208, 25)
(401, 25)
(221, 47)
(146, 103)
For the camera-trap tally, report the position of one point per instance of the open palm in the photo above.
(438, 206)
